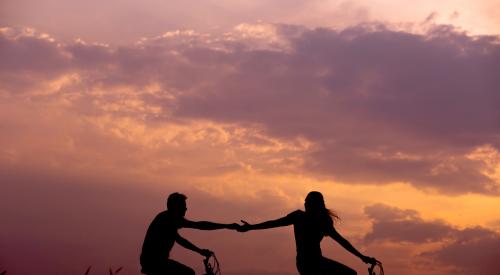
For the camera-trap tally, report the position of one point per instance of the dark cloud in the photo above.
(396, 225)
(378, 105)
(358, 164)
(29, 53)
(471, 250)
(394, 105)
(28, 60)
(388, 213)
(474, 255)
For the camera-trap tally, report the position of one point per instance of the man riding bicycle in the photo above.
(162, 234)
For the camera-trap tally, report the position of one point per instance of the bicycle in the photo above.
(212, 266)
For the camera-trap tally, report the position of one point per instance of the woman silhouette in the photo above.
(309, 228)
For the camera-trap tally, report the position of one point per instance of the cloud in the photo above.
(112, 21)
(28, 58)
(380, 105)
(477, 254)
(473, 250)
(374, 105)
(396, 225)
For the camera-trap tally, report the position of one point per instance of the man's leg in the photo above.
(176, 268)
(169, 267)
(331, 267)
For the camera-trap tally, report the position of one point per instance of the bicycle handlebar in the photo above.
(372, 267)
(209, 268)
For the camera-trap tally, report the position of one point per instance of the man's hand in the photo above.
(245, 227)
(369, 260)
(233, 226)
(206, 252)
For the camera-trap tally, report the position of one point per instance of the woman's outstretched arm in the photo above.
(348, 246)
(285, 221)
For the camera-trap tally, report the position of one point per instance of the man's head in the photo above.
(176, 204)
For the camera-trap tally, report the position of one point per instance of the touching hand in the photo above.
(233, 226)
(206, 252)
(245, 227)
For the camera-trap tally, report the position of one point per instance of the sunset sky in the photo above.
(390, 108)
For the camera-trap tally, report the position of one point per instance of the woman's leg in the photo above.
(309, 266)
(331, 267)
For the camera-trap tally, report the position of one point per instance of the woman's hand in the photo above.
(245, 227)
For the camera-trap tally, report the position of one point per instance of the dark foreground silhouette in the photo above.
(162, 234)
(310, 226)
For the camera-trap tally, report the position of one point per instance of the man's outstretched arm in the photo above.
(187, 244)
(204, 225)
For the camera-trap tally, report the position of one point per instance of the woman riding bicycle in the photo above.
(309, 228)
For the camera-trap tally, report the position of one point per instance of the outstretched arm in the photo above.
(204, 225)
(187, 244)
(348, 246)
(265, 225)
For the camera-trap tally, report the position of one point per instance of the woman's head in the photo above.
(315, 204)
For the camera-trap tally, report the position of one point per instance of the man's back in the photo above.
(160, 239)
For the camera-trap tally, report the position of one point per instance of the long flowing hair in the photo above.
(316, 204)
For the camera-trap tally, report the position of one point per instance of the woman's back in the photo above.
(309, 230)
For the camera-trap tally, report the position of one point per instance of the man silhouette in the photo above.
(162, 234)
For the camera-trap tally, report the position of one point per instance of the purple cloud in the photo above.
(380, 105)
(377, 105)
(471, 251)
(395, 225)
(475, 255)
